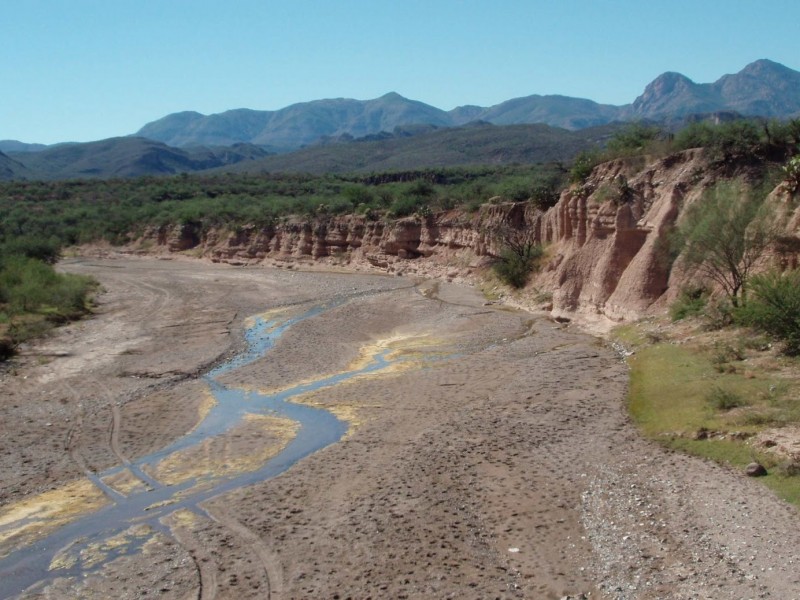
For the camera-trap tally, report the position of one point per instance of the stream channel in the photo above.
(33, 565)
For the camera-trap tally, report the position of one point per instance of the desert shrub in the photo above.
(28, 285)
(719, 313)
(724, 354)
(691, 302)
(514, 267)
(775, 307)
(46, 250)
(405, 206)
(544, 195)
(791, 174)
(725, 140)
(583, 164)
(632, 139)
(722, 399)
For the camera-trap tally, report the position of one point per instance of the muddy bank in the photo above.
(495, 460)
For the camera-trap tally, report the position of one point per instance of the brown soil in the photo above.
(495, 461)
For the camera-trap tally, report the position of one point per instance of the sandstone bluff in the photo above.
(606, 238)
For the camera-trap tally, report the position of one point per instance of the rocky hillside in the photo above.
(764, 88)
(605, 239)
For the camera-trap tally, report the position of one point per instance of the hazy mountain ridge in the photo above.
(10, 168)
(125, 157)
(17, 146)
(762, 88)
(473, 144)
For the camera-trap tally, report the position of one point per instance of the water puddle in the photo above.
(73, 547)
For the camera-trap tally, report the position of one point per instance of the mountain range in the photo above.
(763, 88)
(346, 134)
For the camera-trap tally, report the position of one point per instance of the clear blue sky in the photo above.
(84, 70)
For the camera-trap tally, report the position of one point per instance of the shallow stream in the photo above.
(63, 552)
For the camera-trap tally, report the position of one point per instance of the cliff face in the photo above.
(606, 240)
(609, 235)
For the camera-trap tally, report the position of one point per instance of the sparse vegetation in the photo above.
(679, 397)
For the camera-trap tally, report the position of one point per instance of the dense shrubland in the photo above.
(82, 211)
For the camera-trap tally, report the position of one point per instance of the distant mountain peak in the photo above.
(669, 83)
(765, 65)
(763, 88)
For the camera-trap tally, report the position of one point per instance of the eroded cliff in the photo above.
(606, 240)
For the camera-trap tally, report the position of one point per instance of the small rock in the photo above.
(701, 434)
(755, 470)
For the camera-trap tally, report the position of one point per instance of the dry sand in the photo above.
(495, 460)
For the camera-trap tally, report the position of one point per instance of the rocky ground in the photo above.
(495, 460)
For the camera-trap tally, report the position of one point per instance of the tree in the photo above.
(725, 234)
(518, 253)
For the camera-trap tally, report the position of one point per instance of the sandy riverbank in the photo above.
(495, 461)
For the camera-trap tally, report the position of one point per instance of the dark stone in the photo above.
(755, 470)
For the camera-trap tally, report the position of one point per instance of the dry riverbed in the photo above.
(491, 458)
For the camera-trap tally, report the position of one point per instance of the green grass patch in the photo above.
(676, 391)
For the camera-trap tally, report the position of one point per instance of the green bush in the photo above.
(775, 307)
(514, 268)
(583, 164)
(46, 250)
(723, 399)
(405, 206)
(632, 139)
(28, 285)
(691, 302)
(791, 171)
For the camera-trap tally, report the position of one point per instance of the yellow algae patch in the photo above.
(348, 412)
(166, 502)
(97, 553)
(180, 518)
(125, 482)
(206, 404)
(244, 448)
(35, 517)
(269, 315)
(397, 342)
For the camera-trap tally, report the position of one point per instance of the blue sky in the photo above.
(80, 70)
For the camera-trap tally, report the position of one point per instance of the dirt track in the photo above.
(496, 461)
